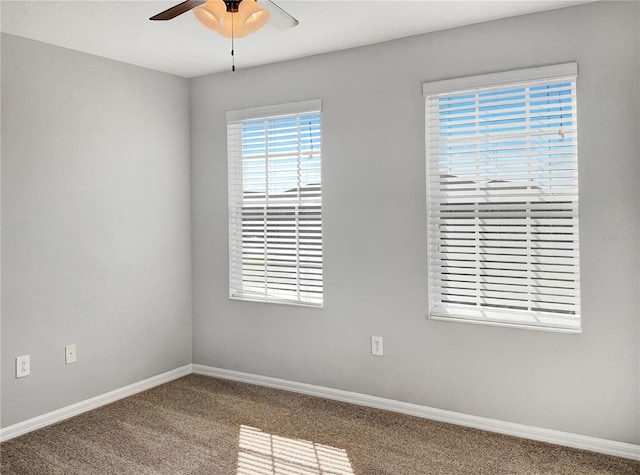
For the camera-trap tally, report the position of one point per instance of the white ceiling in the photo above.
(121, 30)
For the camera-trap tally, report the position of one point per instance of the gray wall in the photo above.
(374, 230)
(95, 225)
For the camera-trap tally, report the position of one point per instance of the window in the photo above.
(275, 204)
(502, 199)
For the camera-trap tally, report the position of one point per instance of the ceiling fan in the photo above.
(232, 18)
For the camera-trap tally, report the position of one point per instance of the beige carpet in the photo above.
(202, 425)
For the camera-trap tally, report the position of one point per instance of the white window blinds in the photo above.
(275, 204)
(502, 198)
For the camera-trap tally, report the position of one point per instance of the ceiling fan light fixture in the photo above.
(217, 16)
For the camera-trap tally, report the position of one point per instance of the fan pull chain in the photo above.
(233, 56)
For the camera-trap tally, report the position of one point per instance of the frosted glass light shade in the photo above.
(254, 17)
(207, 18)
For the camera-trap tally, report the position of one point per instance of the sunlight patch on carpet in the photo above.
(261, 453)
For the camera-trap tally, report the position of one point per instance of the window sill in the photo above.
(506, 323)
(275, 301)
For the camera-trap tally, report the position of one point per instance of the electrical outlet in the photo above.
(70, 354)
(376, 345)
(23, 366)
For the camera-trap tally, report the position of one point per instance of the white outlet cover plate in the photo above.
(70, 354)
(376, 346)
(23, 366)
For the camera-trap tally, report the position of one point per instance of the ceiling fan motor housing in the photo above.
(232, 5)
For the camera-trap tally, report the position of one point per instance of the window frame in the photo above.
(236, 200)
(499, 317)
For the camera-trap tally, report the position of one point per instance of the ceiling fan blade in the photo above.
(178, 9)
(279, 18)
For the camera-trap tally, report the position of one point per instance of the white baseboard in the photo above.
(604, 446)
(609, 447)
(58, 415)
